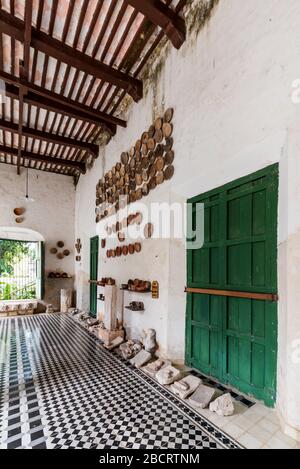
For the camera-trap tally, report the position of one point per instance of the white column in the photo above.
(288, 375)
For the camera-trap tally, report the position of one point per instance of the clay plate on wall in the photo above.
(167, 129)
(168, 116)
(148, 230)
(137, 247)
(158, 123)
(169, 172)
(169, 158)
(19, 211)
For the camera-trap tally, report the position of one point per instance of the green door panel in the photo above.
(235, 339)
(94, 251)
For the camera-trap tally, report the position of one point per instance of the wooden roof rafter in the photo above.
(66, 100)
(49, 137)
(163, 16)
(24, 72)
(79, 166)
(46, 99)
(13, 26)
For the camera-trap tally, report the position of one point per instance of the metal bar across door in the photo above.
(234, 294)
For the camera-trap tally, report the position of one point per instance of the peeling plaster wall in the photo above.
(51, 214)
(230, 86)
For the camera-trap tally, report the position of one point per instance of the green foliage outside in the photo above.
(12, 286)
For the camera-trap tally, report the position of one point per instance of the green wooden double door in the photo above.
(230, 338)
(94, 251)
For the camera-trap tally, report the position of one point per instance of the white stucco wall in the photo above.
(231, 90)
(51, 214)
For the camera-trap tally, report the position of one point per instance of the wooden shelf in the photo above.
(133, 291)
(60, 278)
(134, 310)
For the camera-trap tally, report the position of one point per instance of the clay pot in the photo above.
(138, 218)
(167, 129)
(124, 157)
(169, 172)
(131, 249)
(121, 237)
(158, 137)
(66, 252)
(19, 211)
(144, 137)
(138, 179)
(151, 144)
(138, 194)
(148, 230)
(168, 116)
(53, 251)
(169, 158)
(145, 190)
(158, 123)
(159, 177)
(20, 219)
(137, 247)
(60, 244)
(160, 163)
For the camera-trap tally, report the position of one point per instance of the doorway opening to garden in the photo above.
(20, 270)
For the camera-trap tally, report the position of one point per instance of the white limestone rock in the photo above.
(153, 367)
(202, 396)
(186, 386)
(223, 406)
(149, 340)
(130, 349)
(167, 375)
(141, 358)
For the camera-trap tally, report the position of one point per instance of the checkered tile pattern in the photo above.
(62, 389)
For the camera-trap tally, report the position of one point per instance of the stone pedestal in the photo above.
(108, 336)
(65, 300)
(110, 307)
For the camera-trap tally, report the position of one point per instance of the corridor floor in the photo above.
(59, 388)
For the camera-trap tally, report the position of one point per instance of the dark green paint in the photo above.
(233, 339)
(94, 251)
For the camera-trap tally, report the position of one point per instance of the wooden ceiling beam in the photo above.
(59, 103)
(54, 106)
(13, 26)
(79, 166)
(50, 137)
(24, 72)
(161, 15)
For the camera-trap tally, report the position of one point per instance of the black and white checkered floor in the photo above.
(59, 388)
